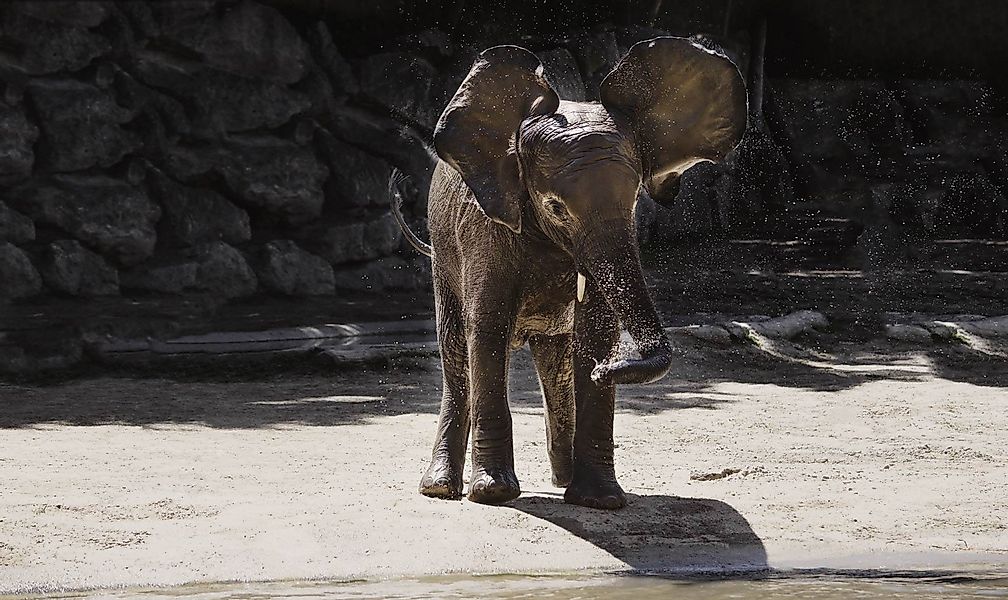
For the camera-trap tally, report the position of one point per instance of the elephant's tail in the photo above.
(396, 200)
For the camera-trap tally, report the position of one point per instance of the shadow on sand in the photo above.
(663, 534)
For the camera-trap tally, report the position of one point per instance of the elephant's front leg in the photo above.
(594, 476)
(493, 479)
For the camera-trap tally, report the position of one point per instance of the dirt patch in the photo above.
(873, 457)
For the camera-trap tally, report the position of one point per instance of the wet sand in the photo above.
(735, 461)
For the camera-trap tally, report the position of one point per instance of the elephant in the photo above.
(531, 215)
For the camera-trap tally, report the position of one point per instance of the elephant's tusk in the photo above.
(580, 287)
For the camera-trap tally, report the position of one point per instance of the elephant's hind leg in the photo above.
(444, 476)
(555, 366)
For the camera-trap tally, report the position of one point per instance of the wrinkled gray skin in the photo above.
(531, 190)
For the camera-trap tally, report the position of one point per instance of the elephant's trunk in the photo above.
(614, 263)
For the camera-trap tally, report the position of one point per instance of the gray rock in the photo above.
(322, 97)
(264, 172)
(70, 268)
(14, 226)
(563, 74)
(224, 271)
(356, 178)
(389, 273)
(341, 243)
(162, 118)
(381, 136)
(404, 84)
(276, 175)
(285, 268)
(108, 215)
(170, 15)
(336, 68)
(170, 278)
(193, 216)
(80, 125)
(67, 12)
(49, 47)
(249, 39)
(19, 277)
(218, 101)
(16, 155)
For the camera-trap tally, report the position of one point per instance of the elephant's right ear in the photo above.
(476, 132)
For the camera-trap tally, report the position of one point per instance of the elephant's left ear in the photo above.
(476, 131)
(683, 104)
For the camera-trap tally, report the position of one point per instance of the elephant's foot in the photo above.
(493, 485)
(595, 491)
(442, 480)
(563, 472)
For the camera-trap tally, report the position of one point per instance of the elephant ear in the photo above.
(476, 132)
(683, 104)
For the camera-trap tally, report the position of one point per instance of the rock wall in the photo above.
(231, 148)
(201, 147)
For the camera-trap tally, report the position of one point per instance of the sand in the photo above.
(729, 463)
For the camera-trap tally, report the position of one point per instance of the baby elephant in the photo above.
(531, 212)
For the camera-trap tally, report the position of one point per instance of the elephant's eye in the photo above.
(556, 208)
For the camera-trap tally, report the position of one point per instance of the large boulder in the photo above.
(19, 277)
(285, 268)
(108, 215)
(264, 172)
(338, 71)
(381, 136)
(70, 268)
(44, 46)
(80, 125)
(19, 135)
(279, 176)
(248, 39)
(356, 178)
(216, 268)
(67, 12)
(193, 216)
(155, 19)
(222, 270)
(14, 226)
(218, 101)
(162, 277)
(354, 241)
(404, 84)
(161, 119)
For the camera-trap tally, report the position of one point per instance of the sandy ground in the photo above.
(838, 464)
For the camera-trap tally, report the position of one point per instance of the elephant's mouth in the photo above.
(621, 282)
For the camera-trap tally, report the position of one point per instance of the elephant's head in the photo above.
(573, 171)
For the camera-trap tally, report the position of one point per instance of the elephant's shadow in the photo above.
(660, 533)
